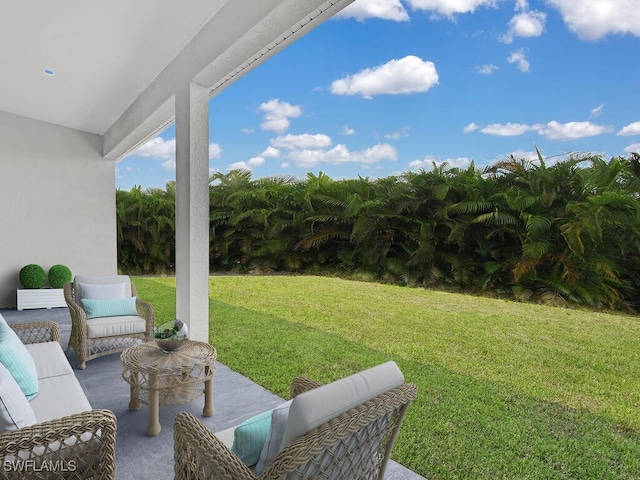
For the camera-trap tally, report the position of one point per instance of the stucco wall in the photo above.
(57, 201)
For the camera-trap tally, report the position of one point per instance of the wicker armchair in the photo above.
(78, 446)
(89, 345)
(353, 445)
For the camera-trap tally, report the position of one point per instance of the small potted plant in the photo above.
(170, 335)
(34, 294)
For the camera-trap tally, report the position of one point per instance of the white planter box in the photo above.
(40, 298)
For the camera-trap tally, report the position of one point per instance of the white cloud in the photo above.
(525, 24)
(214, 151)
(487, 69)
(631, 129)
(552, 130)
(572, 130)
(384, 9)
(304, 141)
(472, 127)
(406, 75)
(160, 149)
(528, 155)
(256, 161)
(507, 130)
(248, 130)
(402, 133)
(340, 154)
(169, 164)
(598, 110)
(633, 148)
(277, 115)
(238, 166)
(429, 161)
(346, 130)
(594, 19)
(270, 152)
(248, 165)
(520, 59)
(450, 7)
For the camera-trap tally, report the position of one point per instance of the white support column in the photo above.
(192, 209)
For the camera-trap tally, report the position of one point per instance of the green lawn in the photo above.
(506, 390)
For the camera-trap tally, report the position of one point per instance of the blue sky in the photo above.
(389, 86)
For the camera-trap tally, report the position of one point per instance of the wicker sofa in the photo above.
(341, 430)
(64, 437)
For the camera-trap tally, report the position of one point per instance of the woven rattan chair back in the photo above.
(355, 445)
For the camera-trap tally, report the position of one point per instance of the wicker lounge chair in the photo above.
(355, 444)
(105, 335)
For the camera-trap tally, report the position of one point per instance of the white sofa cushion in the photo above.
(50, 360)
(15, 411)
(59, 396)
(311, 409)
(60, 392)
(115, 326)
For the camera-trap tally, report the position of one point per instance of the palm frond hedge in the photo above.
(557, 233)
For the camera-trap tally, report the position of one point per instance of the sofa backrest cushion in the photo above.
(15, 357)
(311, 409)
(101, 287)
(272, 443)
(15, 410)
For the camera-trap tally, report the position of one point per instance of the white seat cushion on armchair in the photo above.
(115, 326)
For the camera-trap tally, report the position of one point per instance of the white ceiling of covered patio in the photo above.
(116, 64)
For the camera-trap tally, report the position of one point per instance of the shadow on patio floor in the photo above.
(139, 456)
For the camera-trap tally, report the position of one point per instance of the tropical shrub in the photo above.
(559, 233)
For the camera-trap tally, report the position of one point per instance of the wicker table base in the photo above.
(158, 377)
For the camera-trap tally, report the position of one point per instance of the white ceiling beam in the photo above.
(242, 35)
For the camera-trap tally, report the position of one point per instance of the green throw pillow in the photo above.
(249, 438)
(15, 357)
(112, 307)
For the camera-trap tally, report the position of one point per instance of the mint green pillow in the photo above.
(111, 307)
(249, 438)
(15, 357)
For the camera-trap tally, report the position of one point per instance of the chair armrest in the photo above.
(37, 332)
(83, 444)
(199, 454)
(147, 311)
(78, 316)
(302, 384)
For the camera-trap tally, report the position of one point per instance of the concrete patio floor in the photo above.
(139, 456)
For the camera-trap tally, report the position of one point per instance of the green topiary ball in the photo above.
(33, 276)
(59, 275)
